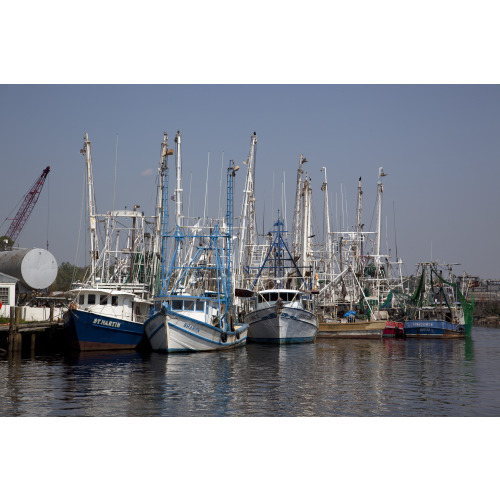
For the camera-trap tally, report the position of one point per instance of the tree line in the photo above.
(66, 275)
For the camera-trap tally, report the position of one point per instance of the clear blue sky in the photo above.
(438, 143)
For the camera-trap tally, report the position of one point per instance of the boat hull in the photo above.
(172, 332)
(393, 329)
(433, 329)
(93, 332)
(289, 326)
(354, 330)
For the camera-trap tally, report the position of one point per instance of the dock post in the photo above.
(15, 338)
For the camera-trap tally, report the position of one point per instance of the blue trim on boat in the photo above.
(156, 331)
(238, 341)
(202, 323)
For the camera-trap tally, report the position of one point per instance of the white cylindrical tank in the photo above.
(36, 268)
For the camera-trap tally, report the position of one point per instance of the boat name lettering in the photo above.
(270, 316)
(422, 324)
(298, 317)
(191, 327)
(104, 322)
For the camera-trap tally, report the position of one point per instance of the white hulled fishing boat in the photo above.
(194, 309)
(280, 314)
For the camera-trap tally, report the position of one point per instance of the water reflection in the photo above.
(390, 377)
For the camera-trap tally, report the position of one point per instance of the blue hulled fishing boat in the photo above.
(111, 304)
(437, 307)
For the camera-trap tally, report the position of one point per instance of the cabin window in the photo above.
(189, 305)
(103, 299)
(199, 305)
(114, 300)
(157, 306)
(91, 299)
(177, 305)
(273, 297)
(81, 300)
(264, 297)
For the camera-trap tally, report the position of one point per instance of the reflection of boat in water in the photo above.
(437, 307)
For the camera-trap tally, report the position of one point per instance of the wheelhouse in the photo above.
(290, 298)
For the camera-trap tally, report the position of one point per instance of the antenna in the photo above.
(116, 163)
(206, 188)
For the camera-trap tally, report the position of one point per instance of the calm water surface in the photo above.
(328, 378)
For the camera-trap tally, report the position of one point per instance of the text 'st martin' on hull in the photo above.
(92, 332)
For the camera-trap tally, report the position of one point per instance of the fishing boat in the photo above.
(438, 309)
(357, 329)
(280, 314)
(105, 319)
(194, 310)
(110, 305)
(393, 329)
(363, 285)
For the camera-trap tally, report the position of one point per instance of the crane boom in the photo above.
(27, 206)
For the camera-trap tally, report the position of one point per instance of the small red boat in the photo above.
(393, 329)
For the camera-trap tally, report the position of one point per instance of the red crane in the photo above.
(27, 207)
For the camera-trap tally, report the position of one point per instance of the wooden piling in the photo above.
(12, 325)
(15, 340)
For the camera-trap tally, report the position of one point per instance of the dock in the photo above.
(16, 336)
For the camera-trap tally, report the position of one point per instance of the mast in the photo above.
(359, 225)
(91, 208)
(178, 188)
(306, 226)
(328, 241)
(297, 213)
(252, 223)
(231, 172)
(248, 238)
(380, 190)
(163, 212)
